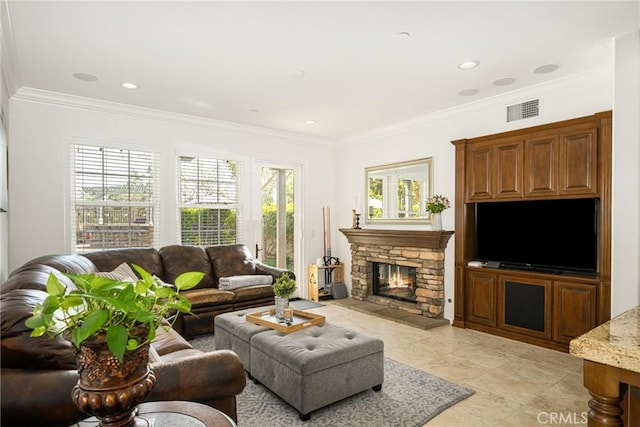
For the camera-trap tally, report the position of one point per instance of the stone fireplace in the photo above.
(406, 268)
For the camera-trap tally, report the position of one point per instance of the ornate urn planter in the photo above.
(108, 389)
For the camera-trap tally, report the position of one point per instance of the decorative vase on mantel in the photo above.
(437, 221)
(108, 389)
(281, 304)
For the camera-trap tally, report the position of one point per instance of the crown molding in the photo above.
(564, 84)
(40, 96)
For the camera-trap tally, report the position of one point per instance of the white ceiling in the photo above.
(233, 61)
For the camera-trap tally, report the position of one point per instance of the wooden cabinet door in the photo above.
(524, 305)
(541, 163)
(479, 173)
(578, 162)
(574, 310)
(508, 170)
(495, 170)
(481, 298)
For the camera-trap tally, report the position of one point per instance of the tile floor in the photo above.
(516, 384)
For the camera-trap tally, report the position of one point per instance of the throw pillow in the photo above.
(123, 273)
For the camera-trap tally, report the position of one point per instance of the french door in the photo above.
(278, 244)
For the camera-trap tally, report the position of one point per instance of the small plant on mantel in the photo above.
(100, 305)
(437, 203)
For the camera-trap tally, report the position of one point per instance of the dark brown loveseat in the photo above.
(38, 373)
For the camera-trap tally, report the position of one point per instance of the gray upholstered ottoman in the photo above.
(317, 366)
(233, 332)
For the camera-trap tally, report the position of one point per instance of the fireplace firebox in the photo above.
(394, 281)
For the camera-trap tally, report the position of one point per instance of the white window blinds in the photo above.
(114, 198)
(209, 201)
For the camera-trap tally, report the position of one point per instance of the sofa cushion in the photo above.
(167, 341)
(234, 282)
(19, 349)
(231, 260)
(178, 259)
(208, 297)
(253, 293)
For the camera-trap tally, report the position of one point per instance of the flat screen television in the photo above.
(556, 236)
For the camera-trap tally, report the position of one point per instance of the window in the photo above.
(209, 197)
(114, 198)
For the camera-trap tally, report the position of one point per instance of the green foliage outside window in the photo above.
(207, 227)
(375, 193)
(407, 203)
(269, 218)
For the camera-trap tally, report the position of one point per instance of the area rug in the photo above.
(409, 397)
(304, 304)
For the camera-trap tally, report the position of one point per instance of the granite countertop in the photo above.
(614, 343)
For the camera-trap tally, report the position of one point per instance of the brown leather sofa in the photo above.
(168, 263)
(38, 374)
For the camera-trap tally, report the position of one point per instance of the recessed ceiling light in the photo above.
(468, 92)
(547, 68)
(468, 65)
(297, 74)
(504, 81)
(404, 35)
(129, 85)
(85, 77)
(310, 122)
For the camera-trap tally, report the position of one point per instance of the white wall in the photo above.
(431, 136)
(6, 90)
(43, 125)
(4, 216)
(625, 256)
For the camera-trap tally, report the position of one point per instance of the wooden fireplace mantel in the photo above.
(408, 238)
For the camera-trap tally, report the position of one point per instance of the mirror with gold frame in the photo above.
(398, 192)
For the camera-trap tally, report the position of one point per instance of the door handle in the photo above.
(257, 250)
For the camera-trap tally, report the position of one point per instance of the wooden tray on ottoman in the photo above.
(301, 320)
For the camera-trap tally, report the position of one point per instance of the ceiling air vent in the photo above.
(523, 110)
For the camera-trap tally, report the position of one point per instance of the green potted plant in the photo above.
(115, 308)
(283, 287)
(111, 323)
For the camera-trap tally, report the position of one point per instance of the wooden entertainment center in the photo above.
(563, 160)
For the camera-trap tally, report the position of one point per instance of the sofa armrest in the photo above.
(204, 377)
(43, 398)
(273, 271)
(38, 398)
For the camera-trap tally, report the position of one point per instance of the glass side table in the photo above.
(172, 414)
